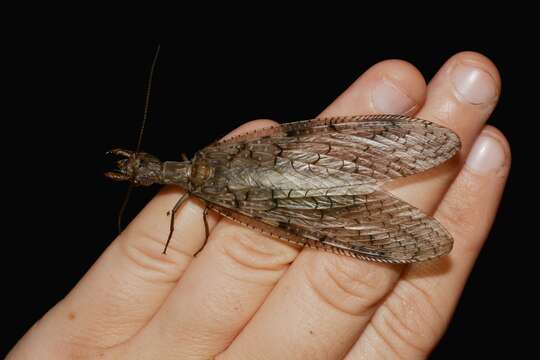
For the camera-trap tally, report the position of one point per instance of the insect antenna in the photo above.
(139, 141)
(147, 99)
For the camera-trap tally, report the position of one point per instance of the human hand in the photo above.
(246, 296)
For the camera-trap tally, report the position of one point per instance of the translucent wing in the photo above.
(378, 146)
(376, 227)
(317, 183)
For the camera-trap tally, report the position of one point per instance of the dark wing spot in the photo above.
(283, 225)
(291, 133)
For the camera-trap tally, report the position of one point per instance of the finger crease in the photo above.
(396, 332)
(390, 346)
(427, 297)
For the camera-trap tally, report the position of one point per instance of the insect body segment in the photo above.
(318, 183)
(145, 169)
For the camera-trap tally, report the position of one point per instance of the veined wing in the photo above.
(380, 147)
(377, 227)
(316, 183)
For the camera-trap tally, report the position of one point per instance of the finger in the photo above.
(129, 282)
(412, 319)
(461, 96)
(389, 87)
(324, 300)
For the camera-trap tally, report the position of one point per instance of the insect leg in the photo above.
(172, 213)
(206, 230)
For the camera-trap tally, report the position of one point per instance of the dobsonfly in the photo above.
(315, 183)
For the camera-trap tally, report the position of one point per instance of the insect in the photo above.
(316, 183)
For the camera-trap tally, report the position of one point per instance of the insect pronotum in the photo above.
(316, 183)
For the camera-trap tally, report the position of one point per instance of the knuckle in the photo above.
(347, 284)
(252, 253)
(143, 252)
(409, 321)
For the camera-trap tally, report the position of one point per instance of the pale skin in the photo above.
(246, 296)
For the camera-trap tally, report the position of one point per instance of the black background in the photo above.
(72, 101)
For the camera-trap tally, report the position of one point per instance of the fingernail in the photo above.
(387, 98)
(474, 85)
(486, 156)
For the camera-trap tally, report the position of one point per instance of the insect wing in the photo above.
(317, 183)
(379, 146)
(379, 227)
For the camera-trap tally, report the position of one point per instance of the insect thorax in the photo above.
(201, 171)
(187, 174)
(177, 173)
